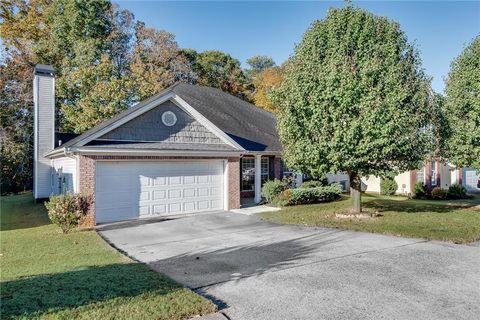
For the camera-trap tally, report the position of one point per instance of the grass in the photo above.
(455, 221)
(48, 275)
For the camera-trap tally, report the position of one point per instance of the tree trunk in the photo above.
(355, 191)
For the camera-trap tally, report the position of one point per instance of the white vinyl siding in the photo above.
(64, 175)
(43, 134)
(129, 190)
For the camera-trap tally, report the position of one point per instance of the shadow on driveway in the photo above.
(208, 267)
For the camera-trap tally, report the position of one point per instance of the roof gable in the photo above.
(149, 127)
(237, 123)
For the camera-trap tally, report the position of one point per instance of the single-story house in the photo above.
(187, 149)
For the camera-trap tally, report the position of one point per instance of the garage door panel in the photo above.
(159, 194)
(128, 190)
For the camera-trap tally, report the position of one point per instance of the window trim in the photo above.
(264, 174)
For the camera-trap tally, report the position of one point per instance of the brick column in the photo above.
(233, 183)
(87, 186)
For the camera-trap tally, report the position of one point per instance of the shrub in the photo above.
(420, 190)
(311, 184)
(283, 198)
(439, 194)
(308, 195)
(68, 210)
(388, 186)
(456, 191)
(272, 188)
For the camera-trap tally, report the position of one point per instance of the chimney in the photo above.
(43, 129)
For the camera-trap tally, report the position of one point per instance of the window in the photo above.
(286, 171)
(169, 118)
(248, 172)
(433, 165)
(264, 166)
(421, 176)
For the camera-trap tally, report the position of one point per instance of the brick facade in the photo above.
(87, 186)
(233, 183)
(87, 166)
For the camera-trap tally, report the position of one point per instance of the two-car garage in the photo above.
(129, 190)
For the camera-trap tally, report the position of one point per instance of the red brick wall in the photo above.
(87, 178)
(87, 186)
(233, 183)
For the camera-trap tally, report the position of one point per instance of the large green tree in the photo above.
(220, 70)
(354, 100)
(462, 107)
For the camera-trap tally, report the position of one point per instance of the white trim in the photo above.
(258, 178)
(35, 135)
(205, 122)
(164, 116)
(178, 153)
(225, 186)
(169, 95)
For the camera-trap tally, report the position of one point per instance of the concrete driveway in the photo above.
(260, 270)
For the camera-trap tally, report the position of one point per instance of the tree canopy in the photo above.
(462, 107)
(258, 64)
(354, 99)
(265, 83)
(105, 61)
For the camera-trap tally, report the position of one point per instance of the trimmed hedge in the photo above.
(298, 196)
(311, 184)
(272, 188)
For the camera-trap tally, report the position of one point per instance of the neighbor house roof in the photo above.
(252, 128)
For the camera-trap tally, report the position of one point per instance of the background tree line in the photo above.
(105, 61)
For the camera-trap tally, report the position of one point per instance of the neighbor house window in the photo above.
(421, 176)
(248, 173)
(433, 165)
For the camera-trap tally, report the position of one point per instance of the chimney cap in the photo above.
(44, 70)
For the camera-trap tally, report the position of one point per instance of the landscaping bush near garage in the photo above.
(68, 210)
(298, 196)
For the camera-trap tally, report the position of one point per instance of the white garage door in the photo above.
(128, 190)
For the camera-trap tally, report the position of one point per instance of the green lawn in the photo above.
(46, 274)
(455, 221)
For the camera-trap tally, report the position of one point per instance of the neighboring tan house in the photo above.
(187, 149)
(434, 173)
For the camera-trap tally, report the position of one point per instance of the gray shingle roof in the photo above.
(251, 127)
(237, 118)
